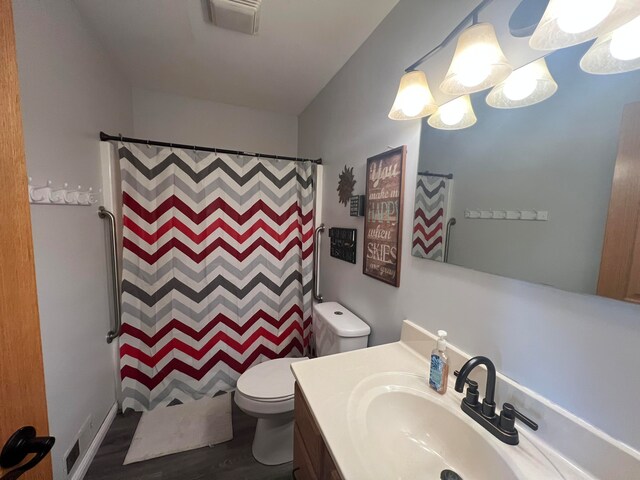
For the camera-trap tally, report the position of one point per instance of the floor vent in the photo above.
(238, 15)
(72, 456)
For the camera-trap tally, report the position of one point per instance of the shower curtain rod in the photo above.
(427, 173)
(106, 137)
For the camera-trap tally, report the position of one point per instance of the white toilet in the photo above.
(266, 390)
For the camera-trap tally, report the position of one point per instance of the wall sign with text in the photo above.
(383, 216)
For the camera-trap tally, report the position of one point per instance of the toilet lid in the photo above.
(270, 380)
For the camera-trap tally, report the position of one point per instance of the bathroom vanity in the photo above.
(371, 414)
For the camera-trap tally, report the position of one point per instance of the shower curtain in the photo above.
(217, 269)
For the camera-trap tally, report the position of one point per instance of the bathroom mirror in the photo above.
(525, 192)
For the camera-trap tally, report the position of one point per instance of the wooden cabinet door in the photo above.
(311, 457)
(302, 465)
(620, 265)
(22, 393)
(313, 442)
(633, 289)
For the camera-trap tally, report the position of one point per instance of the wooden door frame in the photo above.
(22, 388)
(623, 219)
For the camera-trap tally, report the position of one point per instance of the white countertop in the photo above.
(327, 384)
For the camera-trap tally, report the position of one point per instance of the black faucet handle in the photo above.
(509, 412)
(472, 395)
(472, 391)
(471, 383)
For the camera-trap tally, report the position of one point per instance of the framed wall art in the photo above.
(383, 216)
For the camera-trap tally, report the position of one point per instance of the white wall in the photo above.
(173, 118)
(579, 351)
(70, 91)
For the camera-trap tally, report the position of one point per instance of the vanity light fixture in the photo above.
(454, 115)
(526, 86)
(615, 52)
(478, 62)
(570, 22)
(414, 98)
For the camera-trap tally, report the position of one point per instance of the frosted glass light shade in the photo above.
(478, 62)
(570, 22)
(414, 98)
(526, 86)
(454, 115)
(615, 52)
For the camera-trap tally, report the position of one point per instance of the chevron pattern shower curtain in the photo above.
(431, 213)
(217, 269)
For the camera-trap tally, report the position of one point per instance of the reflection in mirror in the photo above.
(532, 185)
(432, 221)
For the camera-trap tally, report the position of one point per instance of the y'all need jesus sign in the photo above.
(383, 216)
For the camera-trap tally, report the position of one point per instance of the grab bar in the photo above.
(450, 223)
(115, 333)
(316, 263)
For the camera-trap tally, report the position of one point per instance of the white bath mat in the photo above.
(179, 428)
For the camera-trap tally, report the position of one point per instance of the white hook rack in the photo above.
(529, 215)
(48, 195)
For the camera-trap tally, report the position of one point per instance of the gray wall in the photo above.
(174, 118)
(556, 156)
(548, 340)
(70, 90)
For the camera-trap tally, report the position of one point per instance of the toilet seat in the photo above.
(267, 388)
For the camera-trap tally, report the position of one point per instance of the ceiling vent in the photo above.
(239, 15)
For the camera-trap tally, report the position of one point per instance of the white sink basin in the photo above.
(410, 432)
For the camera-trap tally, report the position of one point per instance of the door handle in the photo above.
(20, 444)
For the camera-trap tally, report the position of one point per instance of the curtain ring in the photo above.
(121, 139)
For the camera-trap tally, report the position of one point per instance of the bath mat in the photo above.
(179, 428)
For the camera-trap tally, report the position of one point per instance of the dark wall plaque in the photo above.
(343, 243)
(356, 206)
(383, 216)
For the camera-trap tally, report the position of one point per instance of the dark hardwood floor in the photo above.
(227, 461)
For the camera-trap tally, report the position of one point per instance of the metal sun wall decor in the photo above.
(346, 182)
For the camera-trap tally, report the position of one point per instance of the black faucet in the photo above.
(503, 426)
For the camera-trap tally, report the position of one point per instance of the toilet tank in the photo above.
(338, 330)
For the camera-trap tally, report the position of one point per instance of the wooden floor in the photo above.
(227, 461)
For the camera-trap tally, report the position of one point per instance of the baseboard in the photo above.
(95, 444)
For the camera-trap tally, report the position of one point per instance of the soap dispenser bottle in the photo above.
(439, 371)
